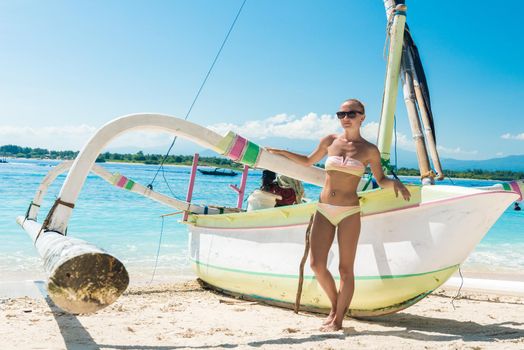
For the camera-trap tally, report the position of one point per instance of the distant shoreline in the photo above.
(13, 151)
(407, 174)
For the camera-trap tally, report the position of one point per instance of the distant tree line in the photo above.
(39, 153)
(140, 157)
(503, 175)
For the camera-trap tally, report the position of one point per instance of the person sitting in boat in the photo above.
(269, 184)
(296, 185)
(348, 154)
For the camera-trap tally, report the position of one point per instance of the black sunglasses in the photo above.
(350, 114)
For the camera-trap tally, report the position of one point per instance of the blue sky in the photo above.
(68, 67)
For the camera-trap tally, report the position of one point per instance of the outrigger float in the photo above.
(405, 251)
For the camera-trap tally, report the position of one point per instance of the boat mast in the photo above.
(416, 100)
(397, 20)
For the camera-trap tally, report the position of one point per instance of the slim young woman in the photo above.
(338, 207)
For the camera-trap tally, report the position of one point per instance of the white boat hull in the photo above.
(402, 254)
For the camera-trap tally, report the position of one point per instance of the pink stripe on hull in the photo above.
(238, 147)
(515, 186)
(122, 181)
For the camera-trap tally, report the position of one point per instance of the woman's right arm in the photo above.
(313, 158)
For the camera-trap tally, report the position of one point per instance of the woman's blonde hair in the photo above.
(357, 102)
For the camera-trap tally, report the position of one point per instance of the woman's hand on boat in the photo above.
(399, 187)
(274, 150)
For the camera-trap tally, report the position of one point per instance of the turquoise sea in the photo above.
(129, 226)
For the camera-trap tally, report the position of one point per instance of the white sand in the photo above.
(183, 315)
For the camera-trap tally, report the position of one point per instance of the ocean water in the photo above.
(129, 226)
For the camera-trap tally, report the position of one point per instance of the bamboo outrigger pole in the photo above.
(432, 144)
(82, 277)
(385, 133)
(414, 121)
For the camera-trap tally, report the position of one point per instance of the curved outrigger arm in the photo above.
(115, 179)
(233, 146)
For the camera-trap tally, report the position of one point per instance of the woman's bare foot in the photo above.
(330, 318)
(331, 327)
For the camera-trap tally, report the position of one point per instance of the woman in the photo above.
(338, 207)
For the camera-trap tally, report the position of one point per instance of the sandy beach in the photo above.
(184, 315)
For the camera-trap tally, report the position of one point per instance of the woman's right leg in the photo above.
(321, 239)
(348, 234)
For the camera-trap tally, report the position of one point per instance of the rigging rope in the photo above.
(158, 251)
(460, 288)
(161, 167)
(395, 134)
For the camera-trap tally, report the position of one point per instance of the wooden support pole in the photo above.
(242, 189)
(191, 183)
(302, 264)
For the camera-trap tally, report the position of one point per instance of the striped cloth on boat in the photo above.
(239, 149)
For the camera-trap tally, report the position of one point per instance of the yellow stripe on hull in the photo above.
(374, 295)
(371, 202)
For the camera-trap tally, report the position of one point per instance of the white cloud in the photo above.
(309, 127)
(508, 136)
(74, 137)
(455, 151)
(499, 154)
(52, 137)
(370, 131)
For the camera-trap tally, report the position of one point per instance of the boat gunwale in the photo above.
(409, 207)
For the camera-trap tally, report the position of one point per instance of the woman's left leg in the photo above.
(347, 235)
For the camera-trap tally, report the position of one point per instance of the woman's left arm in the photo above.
(382, 180)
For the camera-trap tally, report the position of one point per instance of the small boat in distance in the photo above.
(218, 172)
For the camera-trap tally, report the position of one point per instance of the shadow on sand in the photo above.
(70, 327)
(443, 329)
(256, 344)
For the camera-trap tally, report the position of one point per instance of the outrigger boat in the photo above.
(218, 172)
(405, 251)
